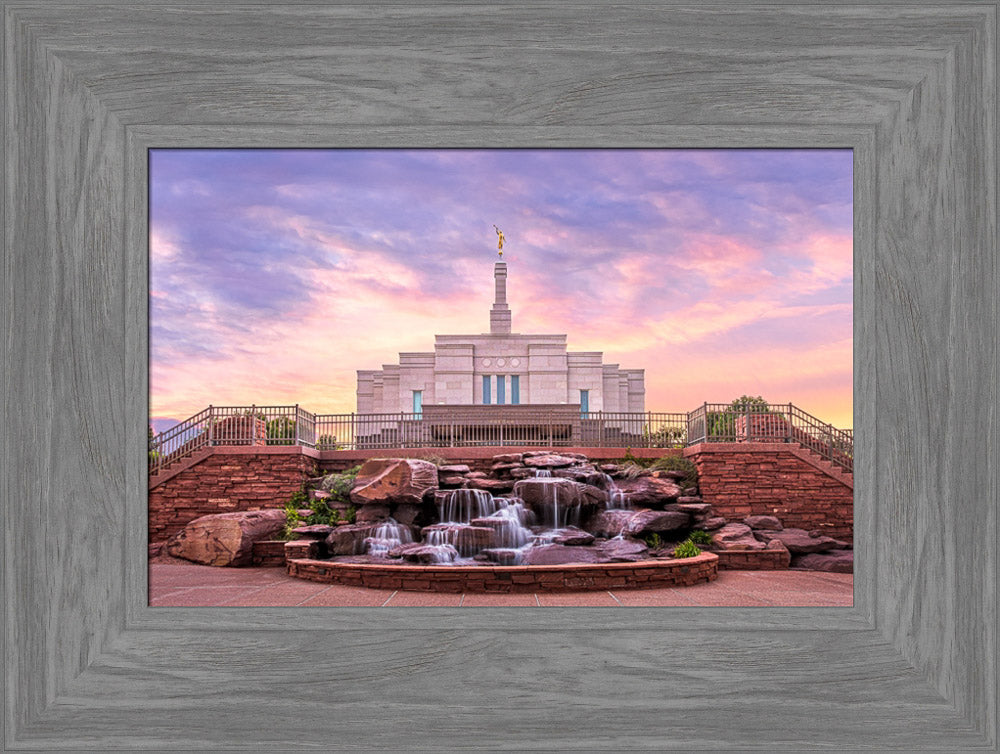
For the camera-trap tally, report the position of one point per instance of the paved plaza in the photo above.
(174, 583)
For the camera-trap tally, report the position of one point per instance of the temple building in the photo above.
(500, 368)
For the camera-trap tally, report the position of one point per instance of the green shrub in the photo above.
(665, 437)
(700, 537)
(631, 470)
(678, 463)
(686, 549)
(653, 541)
(351, 514)
(339, 485)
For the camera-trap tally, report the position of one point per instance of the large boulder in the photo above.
(394, 480)
(225, 539)
(736, 537)
(543, 494)
(649, 491)
(798, 541)
(349, 540)
(835, 561)
(634, 523)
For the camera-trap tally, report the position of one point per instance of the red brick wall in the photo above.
(226, 482)
(758, 479)
(646, 574)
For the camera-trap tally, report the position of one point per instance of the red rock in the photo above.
(426, 554)
(710, 524)
(348, 540)
(314, 531)
(695, 509)
(634, 523)
(835, 561)
(649, 492)
(492, 485)
(394, 480)
(736, 537)
(623, 549)
(797, 541)
(225, 539)
(559, 554)
(573, 537)
(454, 468)
(514, 458)
(548, 460)
(763, 522)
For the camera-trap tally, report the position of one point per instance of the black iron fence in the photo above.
(499, 426)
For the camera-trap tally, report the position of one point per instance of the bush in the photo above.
(722, 424)
(665, 437)
(339, 485)
(700, 537)
(678, 463)
(686, 549)
(653, 541)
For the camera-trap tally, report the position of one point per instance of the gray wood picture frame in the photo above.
(89, 88)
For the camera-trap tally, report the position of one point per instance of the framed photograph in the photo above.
(91, 88)
(356, 376)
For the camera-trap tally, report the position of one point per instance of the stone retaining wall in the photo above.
(751, 479)
(232, 479)
(646, 574)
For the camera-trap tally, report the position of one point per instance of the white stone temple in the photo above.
(500, 368)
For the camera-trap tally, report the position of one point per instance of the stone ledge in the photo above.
(644, 574)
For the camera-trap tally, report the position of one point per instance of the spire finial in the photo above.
(500, 240)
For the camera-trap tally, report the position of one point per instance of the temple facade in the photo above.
(500, 368)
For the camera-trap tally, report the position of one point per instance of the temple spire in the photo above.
(500, 313)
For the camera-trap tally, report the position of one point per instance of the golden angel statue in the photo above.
(500, 239)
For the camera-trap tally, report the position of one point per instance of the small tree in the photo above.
(723, 423)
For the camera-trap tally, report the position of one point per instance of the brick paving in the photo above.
(174, 583)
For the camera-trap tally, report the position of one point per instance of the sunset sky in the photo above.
(276, 274)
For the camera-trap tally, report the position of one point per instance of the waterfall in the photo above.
(616, 498)
(461, 506)
(386, 537)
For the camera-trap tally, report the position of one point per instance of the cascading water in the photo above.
(510, 530)
(543, 473)
(461, 506)
(616, 498)
(387, 536)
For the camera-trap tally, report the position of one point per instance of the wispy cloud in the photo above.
(276, 274)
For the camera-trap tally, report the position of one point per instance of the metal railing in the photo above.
(293, 425)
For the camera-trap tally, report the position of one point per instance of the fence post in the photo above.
(295, 424)
(791, 419)
(211, 425)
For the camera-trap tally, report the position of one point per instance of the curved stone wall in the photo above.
(645, 574)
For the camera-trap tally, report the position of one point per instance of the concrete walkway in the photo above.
(179, 584)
